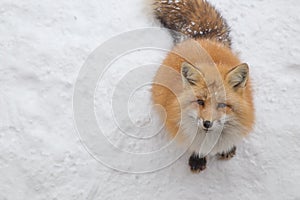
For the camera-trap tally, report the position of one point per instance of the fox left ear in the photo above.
(190, 74)
(238, 76)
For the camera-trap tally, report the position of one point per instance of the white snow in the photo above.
(43, 45)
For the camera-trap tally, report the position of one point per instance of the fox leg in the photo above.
(227, 155)
(197, 164)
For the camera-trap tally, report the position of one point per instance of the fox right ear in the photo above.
(238, 76)
(190, 74)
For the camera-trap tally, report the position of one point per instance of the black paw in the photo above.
(228, 155)
(196, 163)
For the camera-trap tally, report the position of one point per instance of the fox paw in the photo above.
(228, 155)
(196, 163)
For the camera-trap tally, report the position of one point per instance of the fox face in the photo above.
(213, 101)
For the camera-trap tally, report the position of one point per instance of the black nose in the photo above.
(207, 124)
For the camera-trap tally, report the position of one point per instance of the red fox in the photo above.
(222, 98)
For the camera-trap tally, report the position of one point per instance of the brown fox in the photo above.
(213, 98)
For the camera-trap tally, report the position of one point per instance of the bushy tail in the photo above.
(193, 18)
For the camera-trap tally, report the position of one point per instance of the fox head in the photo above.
(214, 99)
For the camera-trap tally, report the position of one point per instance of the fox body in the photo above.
(205, 87)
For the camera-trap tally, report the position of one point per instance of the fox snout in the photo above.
(207, 116)
(207, 124)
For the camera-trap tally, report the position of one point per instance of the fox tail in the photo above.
(192, 19)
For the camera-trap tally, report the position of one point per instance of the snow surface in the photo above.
(43, 45)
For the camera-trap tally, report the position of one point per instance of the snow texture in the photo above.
(43, 45)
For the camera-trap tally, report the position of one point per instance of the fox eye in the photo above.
(222, 105)
(200, 102)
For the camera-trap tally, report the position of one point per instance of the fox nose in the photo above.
(207, 124)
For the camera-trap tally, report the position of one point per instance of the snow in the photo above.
(43, 46)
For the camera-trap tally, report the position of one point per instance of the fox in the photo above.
(209, 89)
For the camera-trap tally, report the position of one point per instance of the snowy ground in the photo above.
(43, 45)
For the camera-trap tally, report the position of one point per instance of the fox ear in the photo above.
(238, 76)
(190, 74)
